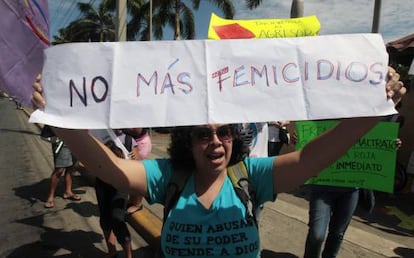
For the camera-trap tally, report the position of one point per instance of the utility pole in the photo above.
(121, 20)
(296, 9)
(377, 14)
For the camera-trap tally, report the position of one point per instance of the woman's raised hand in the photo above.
(395, 88)
(37, 96)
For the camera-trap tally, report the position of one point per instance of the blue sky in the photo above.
(336, 16)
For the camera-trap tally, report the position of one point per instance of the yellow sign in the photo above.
(220, 28)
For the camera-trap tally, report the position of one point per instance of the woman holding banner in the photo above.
(209, 219)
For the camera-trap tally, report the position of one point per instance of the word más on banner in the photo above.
(220, 28)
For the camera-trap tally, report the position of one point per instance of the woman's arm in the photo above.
(126, 175)
(293, 169)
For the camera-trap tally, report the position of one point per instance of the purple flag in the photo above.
(24, 33)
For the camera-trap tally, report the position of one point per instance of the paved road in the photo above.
(71, 229)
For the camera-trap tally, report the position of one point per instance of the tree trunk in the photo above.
(121, 20)
(376, 19)
(297, 8)
(177, 31)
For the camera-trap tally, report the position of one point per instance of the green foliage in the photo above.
(253, 4)
(180, 17)
(98, 24)
(94, 24)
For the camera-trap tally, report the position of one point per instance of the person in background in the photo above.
(64, 163)
(330, 210)
(254, 137)
(139, 152)
(112, 203)
(278, 136)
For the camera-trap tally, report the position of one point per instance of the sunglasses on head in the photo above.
(223, 132)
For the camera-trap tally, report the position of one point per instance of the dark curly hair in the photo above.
(180, 149)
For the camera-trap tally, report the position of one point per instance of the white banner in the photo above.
(173, 83)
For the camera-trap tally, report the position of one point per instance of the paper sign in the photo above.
(370, 163)
(220, 28)
(173, 83)
(24, 33)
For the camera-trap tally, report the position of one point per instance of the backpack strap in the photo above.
(174, 189)
(240, 178)
(128, 142)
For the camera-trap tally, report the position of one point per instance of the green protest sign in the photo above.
(370, 163)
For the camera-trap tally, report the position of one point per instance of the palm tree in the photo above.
(97, 23)
(94, 24)
(139, 24)
(253, 4)
(180, 16)
(139, 20)
(62, 37)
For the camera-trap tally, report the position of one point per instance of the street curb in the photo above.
(148, 225)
